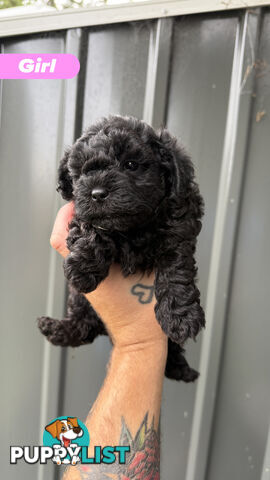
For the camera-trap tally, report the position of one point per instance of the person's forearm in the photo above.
(127, 409)
(130, 391)
(128, 405)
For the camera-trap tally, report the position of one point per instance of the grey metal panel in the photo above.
(28, 147)
(242, 412)
(197, 107)
(116, 70)
(115, 83)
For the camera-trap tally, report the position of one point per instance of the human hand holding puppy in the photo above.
(131, 323)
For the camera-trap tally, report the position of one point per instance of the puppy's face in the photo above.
(117, 180)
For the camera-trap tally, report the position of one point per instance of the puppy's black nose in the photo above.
(99, 193)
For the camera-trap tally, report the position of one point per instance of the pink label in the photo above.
(48, 65)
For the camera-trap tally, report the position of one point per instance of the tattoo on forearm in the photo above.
(142, 463)
(143, 292)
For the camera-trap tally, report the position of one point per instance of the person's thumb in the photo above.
(60, 229)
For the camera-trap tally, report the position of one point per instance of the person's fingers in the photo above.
(60, 229)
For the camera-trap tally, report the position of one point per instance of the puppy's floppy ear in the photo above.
(178, 307)
(169, 159)
(176, 162)
(65, 186)
(179, 175)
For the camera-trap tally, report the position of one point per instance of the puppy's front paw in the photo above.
(178, 322)
(78, 275)
(56, 331)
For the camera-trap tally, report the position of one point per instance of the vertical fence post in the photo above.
(157, 77)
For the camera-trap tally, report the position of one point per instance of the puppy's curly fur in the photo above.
(137, 204)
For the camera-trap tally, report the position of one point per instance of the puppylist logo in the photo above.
(66, 441)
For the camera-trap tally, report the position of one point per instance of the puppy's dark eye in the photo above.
(130, 165)
(63, 429)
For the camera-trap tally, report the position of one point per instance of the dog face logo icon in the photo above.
(65, 430)
(66, 435)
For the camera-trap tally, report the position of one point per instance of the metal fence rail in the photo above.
(109, 14)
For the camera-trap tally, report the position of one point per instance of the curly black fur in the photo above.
(147, 218)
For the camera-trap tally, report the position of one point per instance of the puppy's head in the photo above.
(65, 430)
(120, 171)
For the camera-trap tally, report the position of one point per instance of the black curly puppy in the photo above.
(137, 204)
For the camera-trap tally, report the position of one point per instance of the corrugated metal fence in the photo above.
(207, 77)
